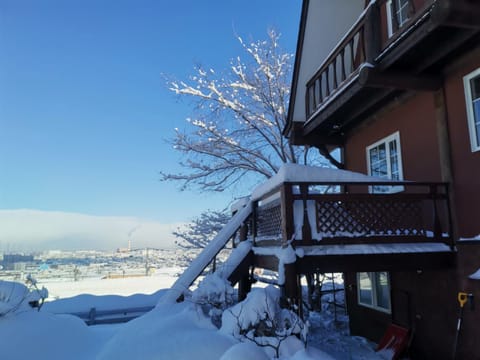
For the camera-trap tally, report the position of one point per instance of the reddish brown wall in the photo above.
(466, 164)
(363, 320)
(414, 119)
(469, 258)
(424, 302)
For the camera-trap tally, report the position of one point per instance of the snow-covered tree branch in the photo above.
(202, 229)
(239, 119)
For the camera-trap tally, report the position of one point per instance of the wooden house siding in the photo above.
(408, 83)
(430, 310)
(465, 163)
(414, 119)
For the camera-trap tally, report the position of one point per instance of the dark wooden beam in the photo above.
(368, 106)
(374, 240)
(323, 150)
(364, 262)
(269, 262)
(297, 136)
(242, 269)
(376, 262)
(329, 110)
(371, 77)
(457, 13)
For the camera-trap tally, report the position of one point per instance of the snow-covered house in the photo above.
(395, 86)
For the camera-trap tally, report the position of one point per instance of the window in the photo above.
(374, 290)
(471, 84)
(384, 160)
(397, 14)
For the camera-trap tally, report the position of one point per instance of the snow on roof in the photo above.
(363, 249)
(304, 173)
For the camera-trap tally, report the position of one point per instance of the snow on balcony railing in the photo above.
(308, 210)
(360, 47)
(340, 65)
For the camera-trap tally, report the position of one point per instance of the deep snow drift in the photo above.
(170, 331)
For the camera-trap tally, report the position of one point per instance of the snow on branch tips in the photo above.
(201, 230)
(238, 118)
(15, 297)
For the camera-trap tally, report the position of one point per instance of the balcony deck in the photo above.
(342, 226)
(368, 67)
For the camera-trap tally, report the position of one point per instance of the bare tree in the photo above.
(202, 229)
(239, 119)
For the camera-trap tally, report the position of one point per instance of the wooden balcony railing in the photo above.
(317, 213)
(357, 49)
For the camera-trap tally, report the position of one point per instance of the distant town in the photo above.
(78, 265)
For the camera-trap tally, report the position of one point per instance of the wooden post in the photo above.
(372, 33)
(287, 212)
(444, 148)
(244, 287)
(450, 217)
(306, 228)
(292, 297)
(254, 221)
(437, 228)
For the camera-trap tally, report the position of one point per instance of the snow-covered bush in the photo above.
(260, 319)
(214, 294)
(15, 296)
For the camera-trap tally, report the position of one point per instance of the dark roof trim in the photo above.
(296, 67)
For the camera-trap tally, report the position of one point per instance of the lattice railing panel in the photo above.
(370, 217)
(269, 221)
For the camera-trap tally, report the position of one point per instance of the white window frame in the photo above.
(390, 18)
(374, 305)
(386, 140)
(472, 128)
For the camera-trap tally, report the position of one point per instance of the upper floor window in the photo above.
(471, 84)
(374, 290)
(397, 14)
(384, 160)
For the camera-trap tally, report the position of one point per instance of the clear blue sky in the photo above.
(84, 112)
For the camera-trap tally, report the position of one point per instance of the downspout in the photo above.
(445, 155)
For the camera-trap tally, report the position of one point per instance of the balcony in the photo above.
(342, 226)
(381, 56)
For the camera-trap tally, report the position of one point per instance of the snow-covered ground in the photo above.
(170, 331)
(162, 279)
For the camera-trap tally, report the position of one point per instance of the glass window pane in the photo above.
(400, 11)
(385, 162)
(393, 148)
(365, 288)
(394, 169)
(475, 87)
(382, 152)
(476, 115)
(382, 290)
(373, 155)
(378, 161)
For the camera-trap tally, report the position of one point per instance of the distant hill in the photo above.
(29, 230)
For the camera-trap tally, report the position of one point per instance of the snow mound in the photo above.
(170, 331)
(16, 297)
(244, 351)
(46, 336)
